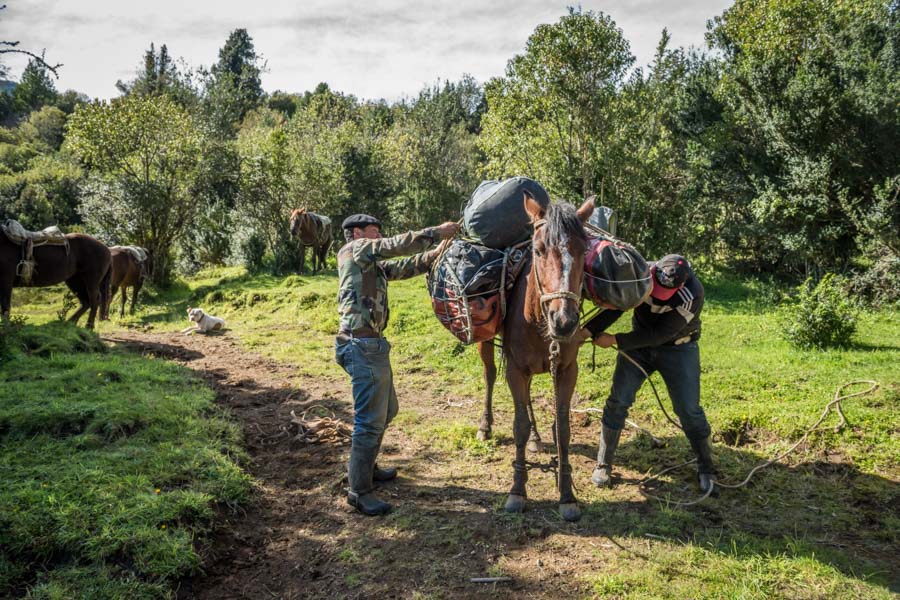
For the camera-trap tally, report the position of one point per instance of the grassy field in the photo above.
(111, 465)
(822, 523)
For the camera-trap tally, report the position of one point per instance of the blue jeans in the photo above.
(368, 362)
(680, 370)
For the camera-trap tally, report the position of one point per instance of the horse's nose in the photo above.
(563, 323)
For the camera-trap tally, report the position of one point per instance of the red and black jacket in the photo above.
(658, 322)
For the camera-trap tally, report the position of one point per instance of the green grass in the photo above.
(821, 523)
(112, 466)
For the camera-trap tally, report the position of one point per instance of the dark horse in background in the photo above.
(312, 231)
(127, 271)
(84, 267)
(542, 316)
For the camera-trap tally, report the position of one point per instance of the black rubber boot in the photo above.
(609, 440)
(706, 470)
(359, 474)
(379, 474)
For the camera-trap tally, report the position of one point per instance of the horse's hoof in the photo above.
(533, 446)
(515, 503)
(570, 511)
(482, 435)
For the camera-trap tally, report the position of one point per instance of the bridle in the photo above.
(557, 295)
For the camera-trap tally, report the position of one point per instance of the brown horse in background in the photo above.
(84, 265)
(313, 231)
(541, 318)
(127, 271)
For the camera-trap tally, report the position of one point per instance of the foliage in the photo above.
(551, 116)
(160, 75)
(253, 251)
(822, 316)
(431, 155)
(233, 87)
(147, 149)
(809, 86)
(45, 127)
(214, 189)
(35, 88)
(264, 200)
(45, 193)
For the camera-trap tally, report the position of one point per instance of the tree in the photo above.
(431, 153)
(233, 87)
(160, 75)
(35, 89)
(550, 115)
(46, 127)
(145, 150)
(810, 87)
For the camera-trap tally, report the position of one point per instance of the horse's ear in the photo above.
(585, 211)
(533, 207)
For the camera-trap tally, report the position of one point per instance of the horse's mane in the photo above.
(561, 223)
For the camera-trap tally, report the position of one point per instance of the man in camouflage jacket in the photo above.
(360, 347)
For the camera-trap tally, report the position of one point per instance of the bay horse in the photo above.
(313, 231)
(84, 266)
(541, 319)
(127, 271)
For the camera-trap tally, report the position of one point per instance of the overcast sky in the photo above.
(376, 49)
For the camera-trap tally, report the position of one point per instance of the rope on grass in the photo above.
(835, 405)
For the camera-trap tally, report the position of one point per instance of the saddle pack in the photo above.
(27, 240)
(615, 274)
(468, 285)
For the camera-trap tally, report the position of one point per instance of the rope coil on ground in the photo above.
(325, 429)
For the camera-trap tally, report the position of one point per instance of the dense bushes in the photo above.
(822, 316)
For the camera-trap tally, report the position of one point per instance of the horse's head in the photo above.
(298, 216)
(557, 264)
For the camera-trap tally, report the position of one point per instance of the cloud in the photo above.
(380, 48)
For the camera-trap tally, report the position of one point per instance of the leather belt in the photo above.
(345, 335)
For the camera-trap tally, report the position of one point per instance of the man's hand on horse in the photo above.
(605, 340)
(583, 335)
(447, 230)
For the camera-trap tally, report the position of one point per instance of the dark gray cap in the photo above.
(360, 220)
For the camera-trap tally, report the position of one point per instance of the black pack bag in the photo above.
(615, 273)
(467, 287)
(495, 214)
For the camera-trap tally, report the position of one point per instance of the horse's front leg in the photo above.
(520, 387)
(565, 387)
(486, 352)
(534, 438)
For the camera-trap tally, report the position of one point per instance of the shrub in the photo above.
(253, 250)
(822, 317)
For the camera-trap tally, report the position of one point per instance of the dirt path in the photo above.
(300, 539)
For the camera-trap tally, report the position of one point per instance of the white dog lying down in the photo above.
(203, 322)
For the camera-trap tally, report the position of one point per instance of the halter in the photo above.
(560, 294)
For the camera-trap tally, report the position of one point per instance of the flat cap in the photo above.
(360, 220)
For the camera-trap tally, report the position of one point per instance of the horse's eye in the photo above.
(540, 249)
